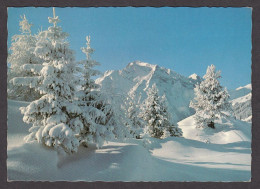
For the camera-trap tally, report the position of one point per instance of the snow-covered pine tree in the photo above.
(96, 111)
(211, 99)
(103, 116)
(118, 119)
(154, 112)
(22, 53)
(55, 116)
(134, 122)
(170, 128)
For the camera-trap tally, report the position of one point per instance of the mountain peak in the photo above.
(140, 63)
(248, 86)
(194, 76)
(138, 76)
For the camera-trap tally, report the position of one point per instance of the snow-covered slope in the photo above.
(240, 91)
(138, 76)
(241, 102)
(242, 107)
(171, 159)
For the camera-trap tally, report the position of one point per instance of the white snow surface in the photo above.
(138, 76)
(231, 131)
(225, 157)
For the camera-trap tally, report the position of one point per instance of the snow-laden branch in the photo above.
(35, 68)
(25, 81)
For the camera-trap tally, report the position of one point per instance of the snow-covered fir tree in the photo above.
(22, 53)
(134, 122)
(211, 99)
(55, 117)
(170, 128)
(118, 120)
(156, 115)
(96, 112)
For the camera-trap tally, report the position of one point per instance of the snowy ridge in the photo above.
(195, 77)
(249, 86)
(242, 107)
(241, 102)
(138, 76)
(240, 91)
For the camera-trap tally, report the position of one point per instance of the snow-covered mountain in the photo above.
(240, 91)
(138, 76)
(196, 78)
(241, 102)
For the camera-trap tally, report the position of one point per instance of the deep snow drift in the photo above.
(198, 156)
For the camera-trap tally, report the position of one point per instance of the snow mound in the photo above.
(25, 159)
(225, 132)
(195, 156)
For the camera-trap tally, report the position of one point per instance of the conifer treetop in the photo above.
(88, 50)
(55, 18)
(25, 26)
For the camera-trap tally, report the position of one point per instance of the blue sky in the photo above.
(185, 40)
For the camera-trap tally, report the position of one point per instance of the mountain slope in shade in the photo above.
(242, 107)
(240, 91)
(138, 76)
(241, 102)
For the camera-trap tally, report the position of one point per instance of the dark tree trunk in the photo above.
(211, 125)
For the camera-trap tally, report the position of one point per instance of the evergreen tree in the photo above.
(96, 111)
(118, 120)
(170, 129)
(156, 115)
(55, 117)
(134, 122)
(211, 99)
(22, 53)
